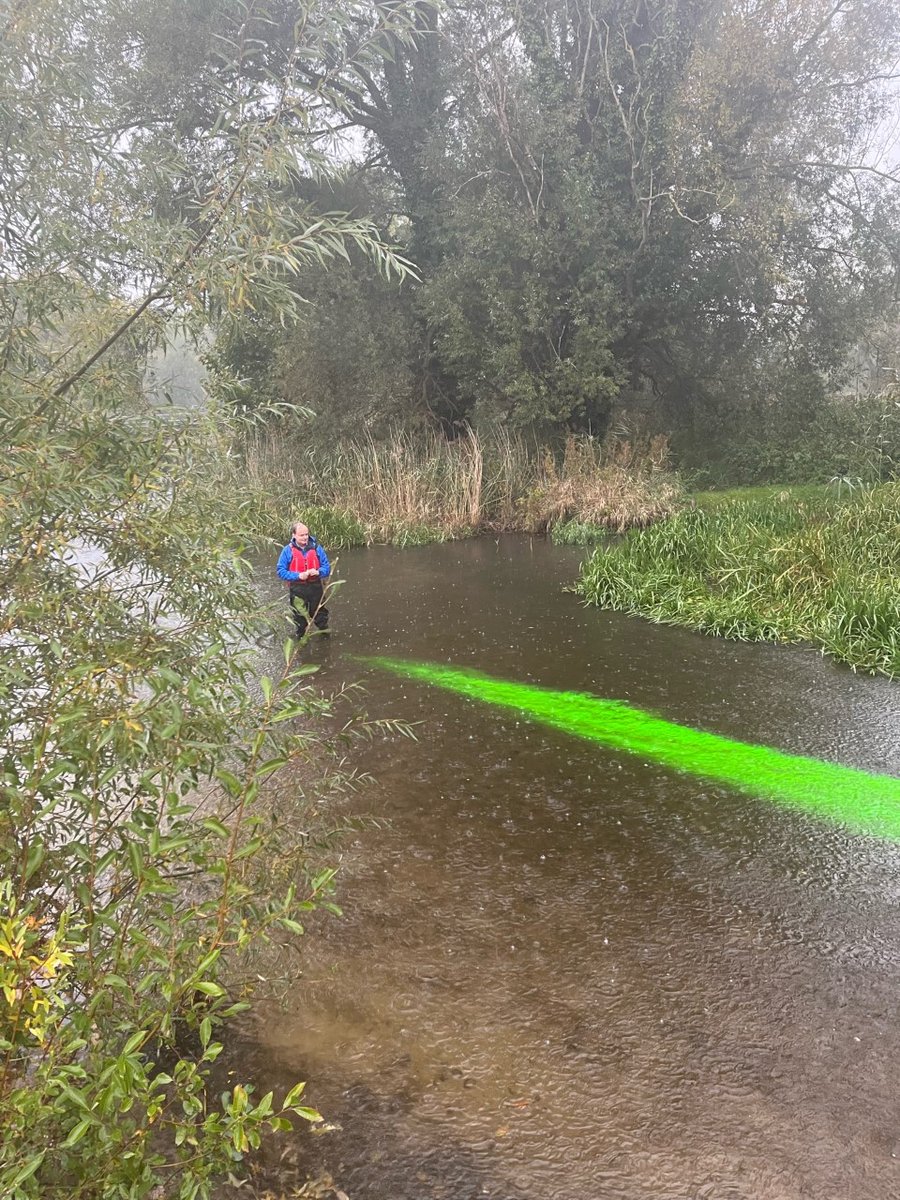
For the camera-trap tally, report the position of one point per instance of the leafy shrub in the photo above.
(578, 533)
(139, 851)
(853, 437)
(615, 484)
(413, 488)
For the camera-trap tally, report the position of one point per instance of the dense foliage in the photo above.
(134, 745)
(413, 488)
(143, 151)
(850, 438)
(822, 569)
(677, 207)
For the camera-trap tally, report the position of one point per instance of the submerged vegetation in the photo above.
(818, 570)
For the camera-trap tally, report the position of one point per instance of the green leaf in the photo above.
(205, 963)
(293, 1095)
(77, 1133)
(252, 847)
(209, 989)
(229, 781)
(28, 1170)
(273, 764)
(136, 858)
(36, 852)
(233, 1009)
(137, 1039)
(308, 1114)
(117, 982)
(214, 825)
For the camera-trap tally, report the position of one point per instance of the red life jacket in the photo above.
(303, 560)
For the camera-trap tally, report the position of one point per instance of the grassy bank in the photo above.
(781, 493)
(415, 489)
(815, 569)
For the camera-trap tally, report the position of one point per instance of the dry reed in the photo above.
(424, 487)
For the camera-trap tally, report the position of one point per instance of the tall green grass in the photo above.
(818, 570)
(265, 516)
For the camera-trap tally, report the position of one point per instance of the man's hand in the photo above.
(304, 575)
(314, 571)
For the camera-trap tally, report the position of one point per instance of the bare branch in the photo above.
(850, 168)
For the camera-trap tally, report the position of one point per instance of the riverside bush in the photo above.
(140, 855)
(577, 533)
(264, 518)
(845, 436)
(819, 570)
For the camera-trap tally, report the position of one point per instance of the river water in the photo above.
(564, 972)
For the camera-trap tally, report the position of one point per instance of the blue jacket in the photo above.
(284, 561)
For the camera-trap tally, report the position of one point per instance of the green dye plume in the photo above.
(865, 802)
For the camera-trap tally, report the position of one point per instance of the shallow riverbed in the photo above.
(564, 972)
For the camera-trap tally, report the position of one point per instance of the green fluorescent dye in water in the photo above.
(865, 802)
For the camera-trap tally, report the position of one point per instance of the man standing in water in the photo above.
(303, 565)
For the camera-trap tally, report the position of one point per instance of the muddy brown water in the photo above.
(564, 972)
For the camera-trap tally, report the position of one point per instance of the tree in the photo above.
(351, 351)
(140, 853)
(695, 169)
(670, 206)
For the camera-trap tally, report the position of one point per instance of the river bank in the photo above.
(415, 490)
(810, 564)
(813, 568)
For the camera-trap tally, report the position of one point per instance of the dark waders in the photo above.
(307, 595)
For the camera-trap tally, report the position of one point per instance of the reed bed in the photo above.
(409, 483)
(610, 485)
(415, 488)
(819, 570)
